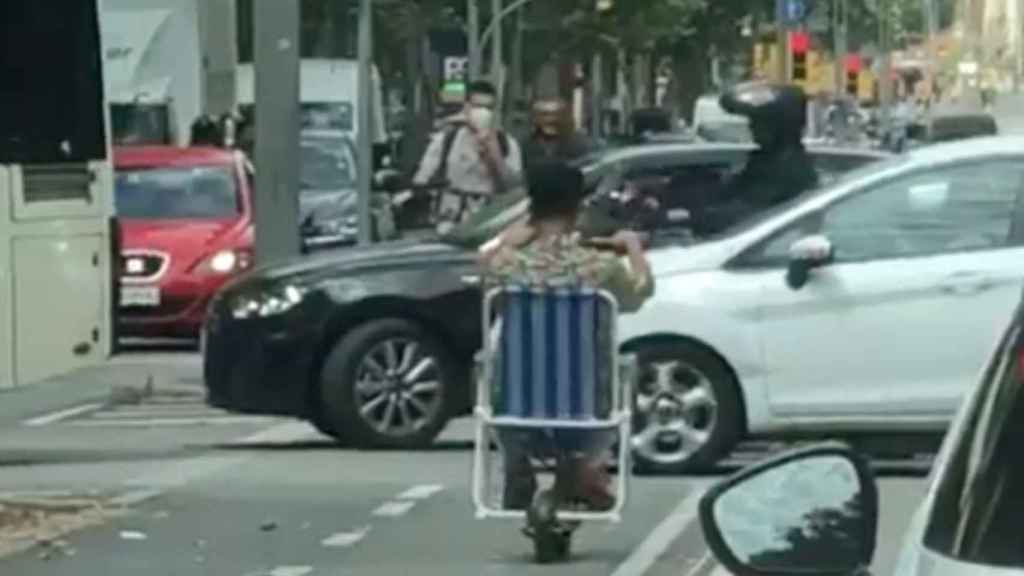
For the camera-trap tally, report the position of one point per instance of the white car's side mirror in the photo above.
(806, 254)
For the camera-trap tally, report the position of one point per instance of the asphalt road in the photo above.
(283, 501)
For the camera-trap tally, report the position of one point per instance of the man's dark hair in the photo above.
(482, 88)
(555, 190)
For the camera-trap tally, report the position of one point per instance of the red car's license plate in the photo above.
(139, 296)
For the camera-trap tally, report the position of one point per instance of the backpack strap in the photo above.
(441, 173)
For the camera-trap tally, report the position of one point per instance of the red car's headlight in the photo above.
(225, 262)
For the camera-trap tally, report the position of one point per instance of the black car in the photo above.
(374, 344)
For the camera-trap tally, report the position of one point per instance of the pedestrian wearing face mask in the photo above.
(472, 158)
(554, 138)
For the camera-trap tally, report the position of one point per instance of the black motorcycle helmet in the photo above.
(777, 112)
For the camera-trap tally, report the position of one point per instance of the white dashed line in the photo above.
(287, 433)
(659, 540)
(169, 422)
(290, 571)
(394, 509)
(135, 497)
(345, 539)
(705, 560)
(421, 492)
(60, 415)
(182, 472)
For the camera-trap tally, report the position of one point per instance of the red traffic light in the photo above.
(853, 63)
(799, 42)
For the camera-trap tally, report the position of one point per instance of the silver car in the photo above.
(815, 510)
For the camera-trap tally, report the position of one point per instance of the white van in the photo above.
(328, 95)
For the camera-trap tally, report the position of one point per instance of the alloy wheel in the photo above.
(676, 412)
(398, 387)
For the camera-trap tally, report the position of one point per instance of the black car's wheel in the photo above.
(687, 412)
(387, 384)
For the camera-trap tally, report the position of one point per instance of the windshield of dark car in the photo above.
(327, 163)
(202, 192)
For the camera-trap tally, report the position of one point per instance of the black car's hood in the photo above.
(375, 258)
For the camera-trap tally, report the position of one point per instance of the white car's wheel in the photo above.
(687, 408)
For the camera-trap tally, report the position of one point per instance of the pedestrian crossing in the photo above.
(179, 411)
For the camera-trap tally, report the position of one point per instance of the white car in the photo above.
(866, 306)
(815, 511)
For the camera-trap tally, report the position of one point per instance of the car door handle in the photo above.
(966, 283)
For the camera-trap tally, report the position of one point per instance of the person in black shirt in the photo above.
(553, 136)
(780, 168)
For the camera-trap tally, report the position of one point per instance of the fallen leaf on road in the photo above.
(25, 523)
(268, 526)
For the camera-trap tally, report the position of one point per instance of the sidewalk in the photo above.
(25, 437)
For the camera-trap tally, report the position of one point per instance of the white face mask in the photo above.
(481, 118)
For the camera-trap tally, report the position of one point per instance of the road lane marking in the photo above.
(420, 492)
(290, 571)
(184, 471)
(345, 539)
(659, 540)
(394, 509)
(169, 422)
(720, 571)
(135, 497)
(60, 415)
(705, 560)
(286, 433)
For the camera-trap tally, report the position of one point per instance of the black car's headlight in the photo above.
(268, 302)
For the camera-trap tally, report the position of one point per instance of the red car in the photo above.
(185, 217)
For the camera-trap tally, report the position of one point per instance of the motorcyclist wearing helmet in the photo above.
(779, 169)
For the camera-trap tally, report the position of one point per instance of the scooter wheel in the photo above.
(551, 540)
(551, 546)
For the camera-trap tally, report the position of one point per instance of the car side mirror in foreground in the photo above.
(806, 254)
(810, 511)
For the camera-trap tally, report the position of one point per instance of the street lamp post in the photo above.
(364, 113)
(473, 17)
(276, 214)
(840, 12)
(496, 51)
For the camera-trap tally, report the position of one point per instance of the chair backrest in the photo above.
(552, 352)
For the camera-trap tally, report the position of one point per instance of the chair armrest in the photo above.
(629, 365)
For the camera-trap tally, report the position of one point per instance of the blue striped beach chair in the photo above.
(550, 361)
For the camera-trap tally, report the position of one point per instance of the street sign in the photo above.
(795, 10)
(455, 69)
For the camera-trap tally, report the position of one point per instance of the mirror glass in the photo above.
(805, 515)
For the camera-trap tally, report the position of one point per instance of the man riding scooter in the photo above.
(780, 168)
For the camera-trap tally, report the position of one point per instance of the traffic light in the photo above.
(799, 44)
(853, 65)
(800, 67)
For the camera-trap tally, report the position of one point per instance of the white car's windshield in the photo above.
(843, 180)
